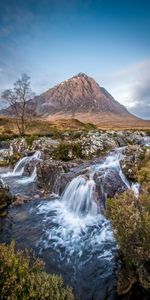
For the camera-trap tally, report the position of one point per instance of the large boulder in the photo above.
(50, 175)
(109, 182)
(53, 176)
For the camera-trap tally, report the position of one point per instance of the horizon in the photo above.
(53, 41)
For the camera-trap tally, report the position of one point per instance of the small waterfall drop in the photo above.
(113, 162)
(79, 197)
(20, 165)
(27, 180)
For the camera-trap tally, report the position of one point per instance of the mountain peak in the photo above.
(80, 93)
(81, 74)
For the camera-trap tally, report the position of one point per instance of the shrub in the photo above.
(22, 278)
(67, 151)
(30, 139)
(130, 218)
(131, 221)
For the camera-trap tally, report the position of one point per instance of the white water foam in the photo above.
(30, 179)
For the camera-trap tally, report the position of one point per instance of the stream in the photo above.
(69, 231)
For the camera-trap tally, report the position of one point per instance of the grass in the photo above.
(55, 127)
(39, 127)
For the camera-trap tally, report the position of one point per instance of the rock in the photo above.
(18, 145)
(45, 144)
(53, 176)
(131, 160)
(20, 199)
(29, 167)
(109, 182)
(49, 174)
(5, 198)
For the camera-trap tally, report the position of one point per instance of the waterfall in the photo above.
(146, 140)
(113, 162)
(20, 165)
(124, 179)
(27, 180)
(80, 197)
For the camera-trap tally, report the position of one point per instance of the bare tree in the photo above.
(19, 99)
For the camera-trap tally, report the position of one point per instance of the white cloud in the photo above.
(131, 87)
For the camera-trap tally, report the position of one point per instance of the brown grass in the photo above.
(60, 123)
(105, 120)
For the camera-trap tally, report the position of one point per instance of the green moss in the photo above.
(22, 277)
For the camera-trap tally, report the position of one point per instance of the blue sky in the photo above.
(52, 40)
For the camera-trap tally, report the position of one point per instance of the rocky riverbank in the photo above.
(63, 159)
(102, 166)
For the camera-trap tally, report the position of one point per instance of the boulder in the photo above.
(109, 182)
(50, 174)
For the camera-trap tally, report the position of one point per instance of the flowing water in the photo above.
(20, 165)
(69, 232)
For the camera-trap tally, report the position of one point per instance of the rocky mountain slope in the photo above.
(79, 94)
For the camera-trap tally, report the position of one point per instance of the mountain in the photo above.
(81, 98)
(79, 94)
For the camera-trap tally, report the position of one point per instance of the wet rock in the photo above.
(5, 198)
(49, 175)
(53, 176)
(29, 168)
(109, 182)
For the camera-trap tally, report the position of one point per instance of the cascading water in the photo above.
(113, 162)
(20, 165)
(27, 180)
(147, 141)
(71, 235)
(80, 241)
(79, 196)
